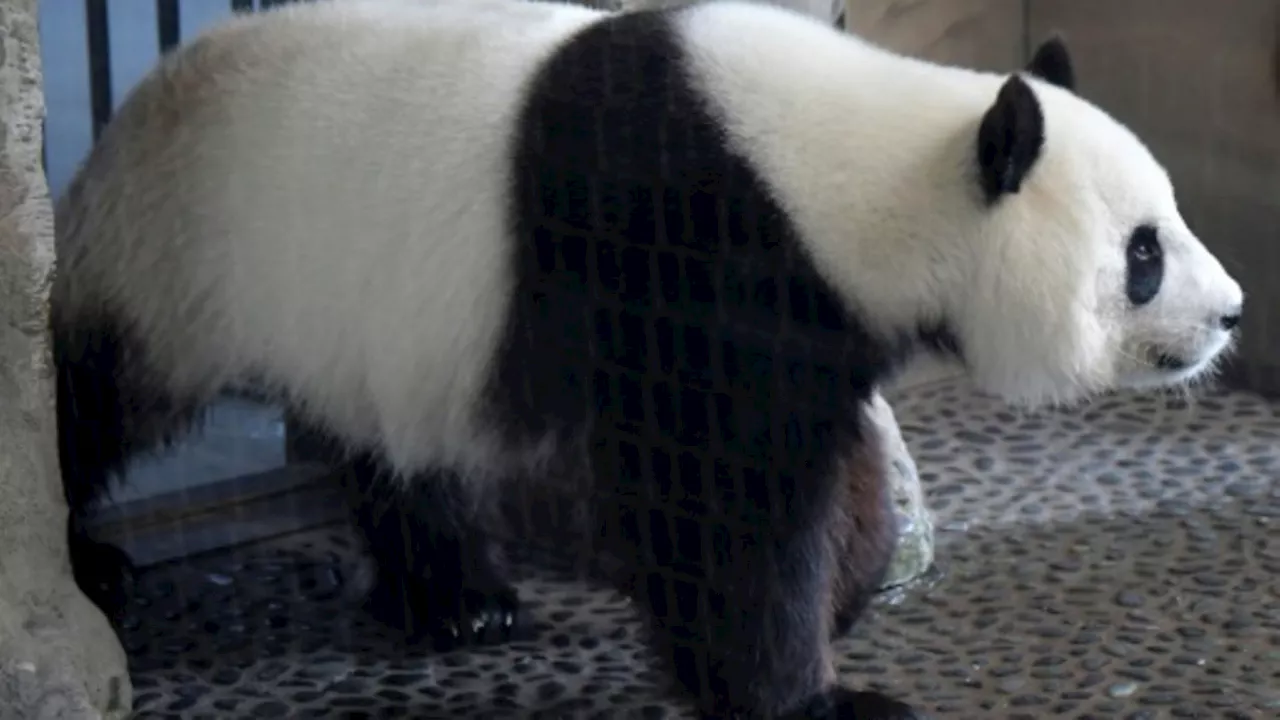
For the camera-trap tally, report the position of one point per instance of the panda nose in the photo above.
(1230, 320)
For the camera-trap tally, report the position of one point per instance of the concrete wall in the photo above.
(986, 34)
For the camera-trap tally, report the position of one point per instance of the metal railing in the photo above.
(168, 32)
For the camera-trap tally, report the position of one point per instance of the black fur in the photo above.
(1011, 136)
(109, 412)
(104, 572)
(1051, 62)
(664, 301)
(843, 703)
(90, 441)
(1144, 265)
(106, 413)
(938, 337)
(439, 573)
(1009, 139)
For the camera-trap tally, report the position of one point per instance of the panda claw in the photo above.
(473, 616)
(448, 614)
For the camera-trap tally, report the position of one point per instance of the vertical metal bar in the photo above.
(168, 24)
(99, 42)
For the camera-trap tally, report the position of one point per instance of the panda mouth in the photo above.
(1171, 363)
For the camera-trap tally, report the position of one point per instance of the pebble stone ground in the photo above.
(1120, 560)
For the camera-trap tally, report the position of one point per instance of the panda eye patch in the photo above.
(1144, 265)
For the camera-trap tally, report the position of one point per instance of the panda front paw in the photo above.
(450, 615)
(105, 575)
(845, 704)
(472, 615)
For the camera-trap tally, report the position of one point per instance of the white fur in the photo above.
(318, 193)
(874, 154)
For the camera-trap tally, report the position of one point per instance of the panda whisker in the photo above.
(1190, 330)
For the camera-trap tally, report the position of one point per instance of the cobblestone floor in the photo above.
(1120, 560)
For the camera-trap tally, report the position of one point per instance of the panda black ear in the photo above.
(1052, 63)
(1009, 139)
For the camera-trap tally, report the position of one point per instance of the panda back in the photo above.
(314, 199)
(662, 285)
(435, 228)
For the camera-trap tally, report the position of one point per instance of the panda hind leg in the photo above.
(863, 531)
(104, 572)
(109, 410)
(439, 574)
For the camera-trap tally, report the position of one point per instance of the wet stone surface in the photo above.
(1119, 560)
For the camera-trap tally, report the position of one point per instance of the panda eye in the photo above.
(1144, 261)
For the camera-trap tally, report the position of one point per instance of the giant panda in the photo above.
(676, 250)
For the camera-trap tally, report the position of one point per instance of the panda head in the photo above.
(1083, 275)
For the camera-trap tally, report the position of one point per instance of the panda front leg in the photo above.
(439, 576)
(741, 604)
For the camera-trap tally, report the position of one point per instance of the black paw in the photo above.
(451, 617)
(105, 575)
(472, 616)
(845, 704)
